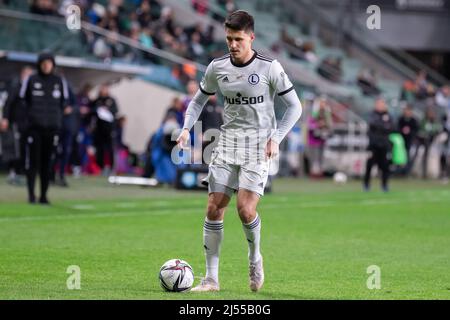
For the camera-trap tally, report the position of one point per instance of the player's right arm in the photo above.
(208, 87)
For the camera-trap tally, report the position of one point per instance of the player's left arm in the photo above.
(286, 92)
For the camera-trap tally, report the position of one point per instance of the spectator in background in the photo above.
(408, 92)
(367, 82)
(445, 150)
(200, 6)
(442, 99)
(68, 131)
(105, 111)
(380, 126)
(296, 47)
(309, 51)
(429, 128)
(176, 110)
(166, 22)
(423, 89)
(144, 15)
(196, 50)
(408, 127)
(161, 149)
(210, 118)
(330, 68)
(226, 7)
(85, 129)
(229, 5)
(319, 129)
(14, 118)
(180, 73)
(125, 159)
(191, 89)
(101, 49)
(149, 168)
(146, 40)
(44, 7)
(208, 36)
(121, 123)
(116, 48)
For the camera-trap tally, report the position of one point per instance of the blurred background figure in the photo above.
(211, 118)
(83, 137)
(331, 68)
(161, 149)
(67, 134)
(105, 110)
(445, 150)
(367, 81)
(380, 126)
(15, 123)
(429, 128)
(45, 95)
(176, 109)
(319, 129)
(408, 128)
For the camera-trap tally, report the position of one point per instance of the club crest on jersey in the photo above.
(253, 79)
(56, 94)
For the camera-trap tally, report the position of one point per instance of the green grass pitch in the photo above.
(318, 239)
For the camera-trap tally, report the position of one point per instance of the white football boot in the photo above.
(256, 275)
(206, 284)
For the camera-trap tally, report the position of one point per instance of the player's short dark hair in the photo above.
(240, 20)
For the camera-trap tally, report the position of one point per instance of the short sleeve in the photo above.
(279, 80)
(208, 85)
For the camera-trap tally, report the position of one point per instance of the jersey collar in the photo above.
(244, 64)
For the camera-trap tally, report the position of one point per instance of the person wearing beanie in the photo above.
(45, 95)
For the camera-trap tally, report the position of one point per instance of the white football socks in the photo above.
(212, 238)
(252, 232)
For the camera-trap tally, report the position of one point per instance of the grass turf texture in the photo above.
(318, 239)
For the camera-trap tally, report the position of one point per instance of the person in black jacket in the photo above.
(105, 111)
(45, 95)
(380, 126)
(14, 118)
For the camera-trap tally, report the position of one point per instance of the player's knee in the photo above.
(246, 212)
(214, 212)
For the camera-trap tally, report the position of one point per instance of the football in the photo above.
(176, 275)
(340, 177)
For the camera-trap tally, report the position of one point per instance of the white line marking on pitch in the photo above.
(126, 205)
(83, 207)
(95, 215)
(170, 210)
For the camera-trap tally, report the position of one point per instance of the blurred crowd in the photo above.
(158, 160)
(90, 138)
(420, 132)
(148, 23)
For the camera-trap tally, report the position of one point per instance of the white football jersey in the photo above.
(248, 91)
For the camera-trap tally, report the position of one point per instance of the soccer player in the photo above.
(248, 82)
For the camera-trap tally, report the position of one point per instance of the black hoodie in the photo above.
(45, 96)
(380, 126)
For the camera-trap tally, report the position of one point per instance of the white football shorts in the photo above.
(229, 171)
